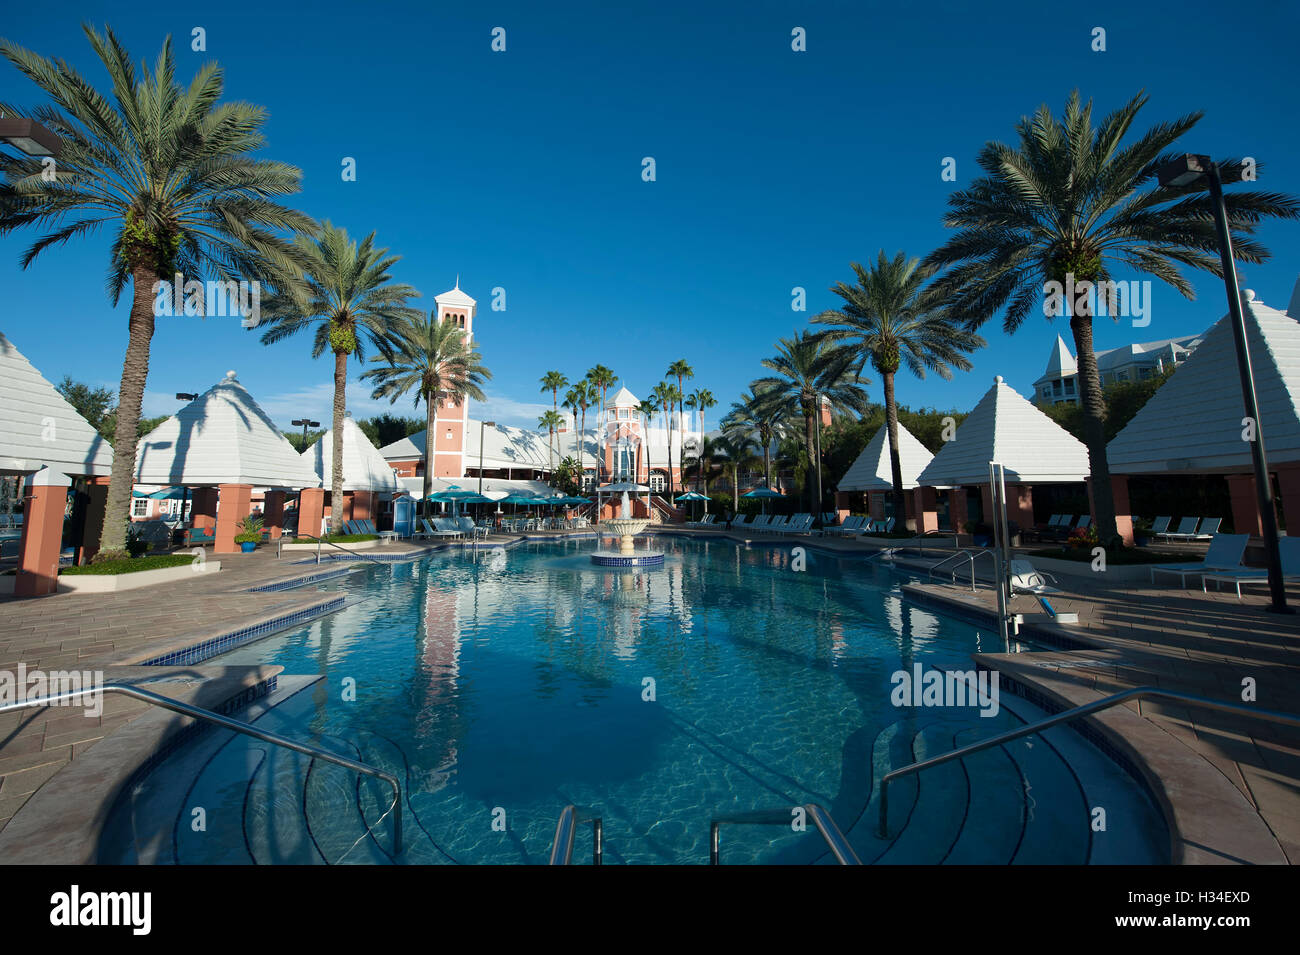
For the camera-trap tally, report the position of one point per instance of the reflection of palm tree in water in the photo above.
(437, 713)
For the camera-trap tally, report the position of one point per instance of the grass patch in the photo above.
(338, 539)
(130, 566)
(1126, 555)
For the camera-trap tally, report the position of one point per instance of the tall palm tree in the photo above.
(550, 421)
(352, 300)
(886, 320)
(701, 399)
(647, 410)
(553, 381)
(701, 462)
(172, 174)
(808, 373)
(434, 360)
(587, 394)
(1068, 199)
(681, 371)
(571, 403)
(602, 379)
(667, 395)
(755, 413)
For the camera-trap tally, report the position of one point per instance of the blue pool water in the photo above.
(502, 688)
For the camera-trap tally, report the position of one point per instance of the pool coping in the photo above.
(1198, 803)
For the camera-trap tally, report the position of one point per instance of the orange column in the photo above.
(234, 505)
(204, 509)
(273, 513)
(927, 518)
(1245, 505)
(311, 510)
(38, 554)
(1020, 505)
(842, 509)
(957, 509)
(1123, 509)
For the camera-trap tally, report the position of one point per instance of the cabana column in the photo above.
(311, 510)
(273, 513)
(235, 504)
(927, 515)
(1245, 505)
(38, 556)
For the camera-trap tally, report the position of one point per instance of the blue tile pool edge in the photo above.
(197, 653)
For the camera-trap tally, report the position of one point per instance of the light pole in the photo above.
(1187, 170)
(481, 426)
(29, 136)
(185, 488)
(304, 423)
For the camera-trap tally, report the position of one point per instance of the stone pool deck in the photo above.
(1247, 809)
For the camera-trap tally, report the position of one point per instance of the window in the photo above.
(140, 507)
(657, 482)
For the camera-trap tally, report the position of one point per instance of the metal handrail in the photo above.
(353, 553)
(830, 832)
(1138, 693)
(565, 831)
(970, 555)
(198, 713)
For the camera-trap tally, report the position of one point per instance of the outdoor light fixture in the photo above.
(183, 396)
(1189, 170)
(481, 426)
(29, 136)
(303, 423)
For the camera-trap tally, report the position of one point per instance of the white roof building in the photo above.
(873, 470)
(221, 437)
(1194, 422)
(1006, 428)
(503, 447)
(364, 468)
(39, 428)
(1059, 381)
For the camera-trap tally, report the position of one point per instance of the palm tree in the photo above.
(586, 394)
(701, 462)
(886, 320)
(740, 449)
(173, 175)
(809, 372)
(553, 381)
(571, 402)
(551, 420)
(667, 395)
(1068, 200)
(433, 359)
(647, 409)
(701, 400)
(352, 300)
(602, 379)
(681, 371)
(755, 413)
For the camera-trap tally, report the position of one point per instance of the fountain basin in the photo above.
(627, 556)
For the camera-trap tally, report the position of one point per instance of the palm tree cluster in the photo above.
(173, 174)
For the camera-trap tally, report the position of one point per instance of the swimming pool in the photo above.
(502, 686)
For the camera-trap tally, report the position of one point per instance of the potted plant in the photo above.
(1141, 531)
(251, 535)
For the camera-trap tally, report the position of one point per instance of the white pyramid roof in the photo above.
(221, 437)
(872, 471)
(455, 296)
(1060, 361)
(39, 428)
(1006, 428)
(625, 399)
(364, 468)
(1193, 423)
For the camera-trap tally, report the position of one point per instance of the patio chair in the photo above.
(1209, 526)
(801, 524)
(760, 521)
(1159, 526)
(738, 520)
(1289, 550)
(467, 526)
(1223, 557)
(1186, 530)
(777, 524)
(1028, 579)
(851, 527)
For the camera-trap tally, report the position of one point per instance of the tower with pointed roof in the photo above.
(447, 457)
(623, 444)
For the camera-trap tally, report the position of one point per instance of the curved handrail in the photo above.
(352, 553)
(198, 713)
(830, 832)
(565, 830)
(1138, 693)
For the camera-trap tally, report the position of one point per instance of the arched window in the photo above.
(658, 481)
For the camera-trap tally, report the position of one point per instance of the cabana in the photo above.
(1194, 424)
(47, 444)
(1006, 428)
(366, 475)
(222, 444)
(873, 473)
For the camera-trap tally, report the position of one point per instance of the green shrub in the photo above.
(128, 565)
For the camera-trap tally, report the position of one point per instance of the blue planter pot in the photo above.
(983, 540)
(248, 546)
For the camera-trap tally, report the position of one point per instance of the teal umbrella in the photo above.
(764, 494)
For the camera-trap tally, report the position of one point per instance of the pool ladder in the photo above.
(970, 556)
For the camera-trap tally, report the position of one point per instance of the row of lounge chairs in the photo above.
(776, 524)
(1189, 529)
(1222, 564)
(450, 527)
(855, 525)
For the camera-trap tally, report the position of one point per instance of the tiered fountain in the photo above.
(626, 527)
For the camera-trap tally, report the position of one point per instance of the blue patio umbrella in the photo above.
(693, 496)
(763, 494)
(166, 494)
(455, 494)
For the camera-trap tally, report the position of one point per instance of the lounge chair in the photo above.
(1289, 550)
(1186, 530)
(438, 529)
(777, 524)
(467, 526)
(760, 521)
(801, 524)
(852, 526)
(1159, 526)
(1223, 557)
(738, 520)
(1208, 527)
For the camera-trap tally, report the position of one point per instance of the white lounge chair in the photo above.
(1289, 550)
(1223, 557)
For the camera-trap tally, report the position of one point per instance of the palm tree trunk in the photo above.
(895, 465)
(430, 429)
(336, 466)
(581, 466)
(810, 442)
(130, 396)
(1094, 429)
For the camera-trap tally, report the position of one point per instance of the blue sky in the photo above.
(775, 169)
